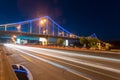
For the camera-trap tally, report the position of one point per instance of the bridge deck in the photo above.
(32, 35)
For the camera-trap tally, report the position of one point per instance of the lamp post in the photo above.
(19, 28)
(43, 22)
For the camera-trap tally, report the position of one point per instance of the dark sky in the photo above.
(82, 17)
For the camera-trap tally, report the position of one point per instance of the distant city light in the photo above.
(18, 28)
(18, 41)
(43, 41)
(66, 42)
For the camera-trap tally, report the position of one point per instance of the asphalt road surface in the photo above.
(50, 64)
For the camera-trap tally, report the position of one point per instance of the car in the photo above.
(22, 72)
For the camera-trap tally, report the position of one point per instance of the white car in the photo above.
(22, 72)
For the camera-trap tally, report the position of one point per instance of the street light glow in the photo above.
(43, 21)
(14, 36)
(18, 28)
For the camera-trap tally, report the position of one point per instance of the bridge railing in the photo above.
(43, 25)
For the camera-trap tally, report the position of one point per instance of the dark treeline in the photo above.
(115, 44)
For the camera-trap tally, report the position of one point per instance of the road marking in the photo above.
(86, 69)
(77, 61)
(26, 58)
(73, 60)
(55, 64)
(72, 54)
(66, 58)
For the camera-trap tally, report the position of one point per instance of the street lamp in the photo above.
(45, 31)
(18, 28)
(43, 22)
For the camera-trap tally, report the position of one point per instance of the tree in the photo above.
(92, 42)
(108, 46)
(60, 41)
(83, 41)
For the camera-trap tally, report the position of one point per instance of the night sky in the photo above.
(81, 17)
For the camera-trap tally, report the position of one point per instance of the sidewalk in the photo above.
(6, 72)
(1, 66)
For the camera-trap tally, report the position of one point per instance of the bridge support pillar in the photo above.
(63, 33)
(47, 25)
(53, 29)
(30, 26)
(39, 29)
(5, 27)
(58, 31)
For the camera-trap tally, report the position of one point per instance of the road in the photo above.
(50, 64)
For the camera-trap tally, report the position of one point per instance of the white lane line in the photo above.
(72, 54)
(73, 60)
(57, 65)
(83, 55)
(77, 61)
(87, 69)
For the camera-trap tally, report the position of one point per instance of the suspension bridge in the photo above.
(36, 28)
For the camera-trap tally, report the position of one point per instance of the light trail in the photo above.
(54, 64)
(76, 61)
(68, 53)
(79, 55)
(69, 59)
